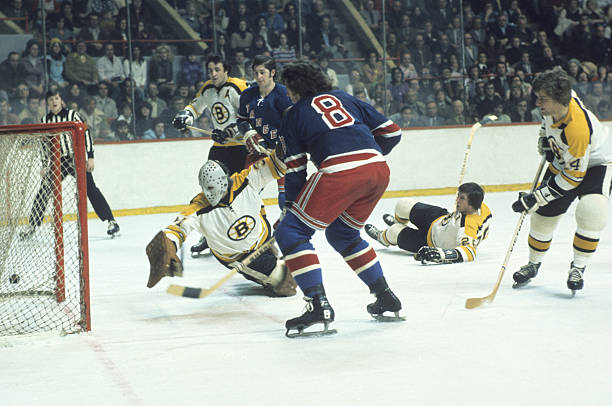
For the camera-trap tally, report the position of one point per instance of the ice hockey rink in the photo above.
(532, 346)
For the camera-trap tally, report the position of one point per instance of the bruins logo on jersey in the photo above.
(220, 113)
(241, 228)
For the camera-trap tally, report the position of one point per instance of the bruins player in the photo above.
(229, 213)
(439, 237)
(221, 94)
(574, 142)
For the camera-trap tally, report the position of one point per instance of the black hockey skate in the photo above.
(389, 219)
(386, 301)
(376, 234)
(317, 311)
(524, 275)
(113, 228)
(197, 249)
(574, 279)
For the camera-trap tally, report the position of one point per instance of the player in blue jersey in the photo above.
(262, 106)
(346, 140)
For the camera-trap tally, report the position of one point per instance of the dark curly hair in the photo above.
(556, 83)
(474, 193)
(305, 79)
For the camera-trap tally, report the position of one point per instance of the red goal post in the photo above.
(44, 264)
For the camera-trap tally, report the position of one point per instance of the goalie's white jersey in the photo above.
(235, 226)
(463, 232)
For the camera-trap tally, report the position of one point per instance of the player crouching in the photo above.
(440, 237)
(230, 214)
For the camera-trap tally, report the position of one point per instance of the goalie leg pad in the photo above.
(281, 281)
(392, 233)
(403, 208)
(163, 260)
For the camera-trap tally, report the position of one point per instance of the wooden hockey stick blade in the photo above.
(487, 119)
(200, 293)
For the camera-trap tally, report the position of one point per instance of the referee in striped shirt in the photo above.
(58, 113)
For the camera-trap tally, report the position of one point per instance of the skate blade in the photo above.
(200, 254)
(388, 319)
(518, 285)
(305, 334)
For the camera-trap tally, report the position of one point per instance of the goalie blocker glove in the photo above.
(530, 202)
(254, 142)
(182, 119)
(435, 255)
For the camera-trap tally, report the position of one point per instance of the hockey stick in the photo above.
(474, 302)
(209, 133)
(199, 130)
(475, 127)
(200, 293)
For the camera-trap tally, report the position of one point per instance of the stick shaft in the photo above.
(200, 130)
(476, 301)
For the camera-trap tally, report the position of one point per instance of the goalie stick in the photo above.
(475, 127)
(474, 302)
(201, 293)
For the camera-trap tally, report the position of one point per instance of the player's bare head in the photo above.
(217, 69)
(215, 181)
(215, 60)
(556, 83)
(474, 193)
(266, 62)
(54, 100)
(304, 79)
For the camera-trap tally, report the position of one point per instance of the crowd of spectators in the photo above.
(443, 74)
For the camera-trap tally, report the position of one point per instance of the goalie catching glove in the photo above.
(434, 255)
(182, 119)
(163, 260)
(254, 142)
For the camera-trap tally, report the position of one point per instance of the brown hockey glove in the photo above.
(161, 252)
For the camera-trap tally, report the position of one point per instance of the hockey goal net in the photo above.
(44, 279)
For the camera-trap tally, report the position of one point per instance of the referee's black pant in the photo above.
(41, 200)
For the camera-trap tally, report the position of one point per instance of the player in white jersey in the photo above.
(439, 237)
(221, 94)
(229, 213)
(575, 143)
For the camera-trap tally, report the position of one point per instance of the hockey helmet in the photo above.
(214, 180)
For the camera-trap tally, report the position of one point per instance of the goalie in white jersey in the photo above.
(230, 214)
(439, 237)
(574, 142)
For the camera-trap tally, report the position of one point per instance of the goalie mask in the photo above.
(214, 181)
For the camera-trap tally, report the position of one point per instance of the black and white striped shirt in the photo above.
(66, 144)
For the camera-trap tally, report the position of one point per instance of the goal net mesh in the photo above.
(44, 282)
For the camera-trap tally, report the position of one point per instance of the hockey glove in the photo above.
(530, 202)
(254, 142)
(437, 255)
(222, 136)
(182, 119)
(544, 148)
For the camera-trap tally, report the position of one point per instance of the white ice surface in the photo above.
(534, 346)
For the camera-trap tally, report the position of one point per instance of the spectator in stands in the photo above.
(122, 131)
(604, 110)
(108, 26)
(17, 11)
(125, 95)
(80, 67)
(600, 48)
(158, 105)
(259, 47)
(32, 66)
(143, 34)
(284, 53)
(33, 112)
(322, 37)
(405, 31)
(492, 48)
(10, 72)
(98, 7)
(549, 60)
(524, 32)
(441, 16)
(261, 29)
(158, 132)
(595, 96)
(501, 81)
(372, 70)
(394, 48)
(502, 117)
(223, 47)
(55, 63)
(430, 35)
(110, 69)
(412, 101)
(471, 50)
(19, 100)
(421, 55)
(139, 69)
(360, 92)
(594, 12)
(339, 51)
(514, 51)
(405, 119)
(457, 114)
(455, 32)
(191, 71)
(75, 95)
(431, 117)
(274, 21)
(582, 86)
(406, 66)
(502, 30)
(241, 13)
(394, 14)
(293, 32)
(144, 121)
(491, 98)
(371, 16)
(418, 17)
(536, 50)
(580, 38)
(177, 104)
(444, 106)
(483, 64)
(6, 116)
(125, 113)
(191, 16)
(242, 38)
(91, 32)
(323, 60)
(515, 94)
(526, 66)
(398, 86)
(520, 113)
(354, 81)
(61, 32)
(161, 71)
(104, 102)
(313, 19)
(93, 116)
(241, 67)
(138, 13)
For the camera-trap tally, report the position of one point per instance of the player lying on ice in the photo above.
(230, 214)
(440, 237)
